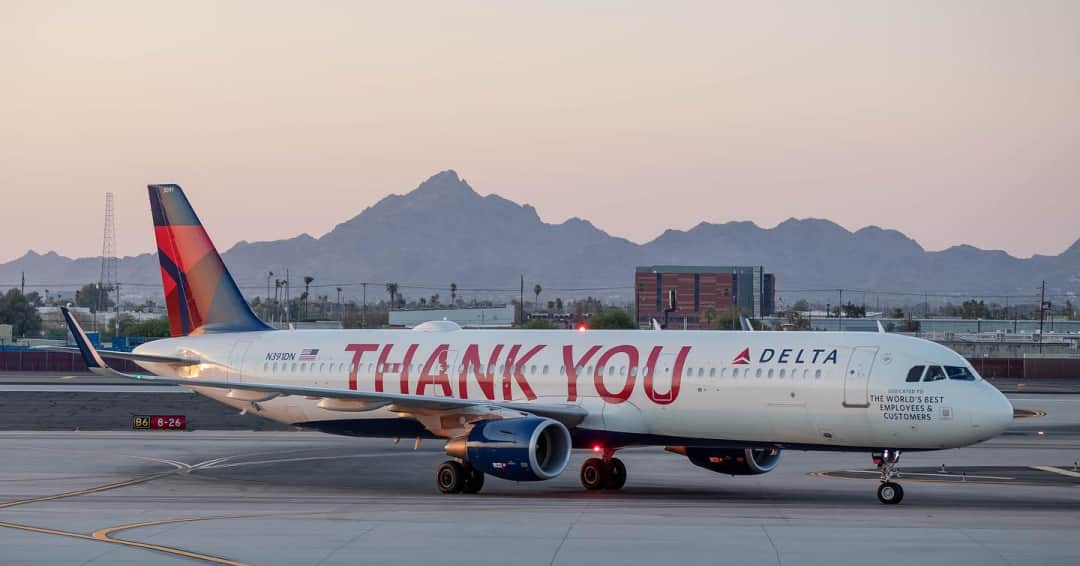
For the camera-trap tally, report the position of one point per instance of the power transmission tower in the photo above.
(108, 282)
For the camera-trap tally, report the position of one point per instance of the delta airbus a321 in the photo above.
(513, 404)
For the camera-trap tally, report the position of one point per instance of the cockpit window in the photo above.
(915, 374)
(959, 373)
(934, 373)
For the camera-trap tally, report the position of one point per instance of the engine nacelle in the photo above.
(525, 449)
(734, 461)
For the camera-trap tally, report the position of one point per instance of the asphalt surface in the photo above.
(288, 497)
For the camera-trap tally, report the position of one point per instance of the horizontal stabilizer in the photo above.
(130, 356)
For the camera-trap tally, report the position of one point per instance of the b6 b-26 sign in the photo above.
(159, 422)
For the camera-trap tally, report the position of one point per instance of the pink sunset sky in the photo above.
(953, 121)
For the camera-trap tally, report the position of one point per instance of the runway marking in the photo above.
(1054, 470)
(304, 459)
(928, 474)
(97, 489)
(143, 545)
(102, 534)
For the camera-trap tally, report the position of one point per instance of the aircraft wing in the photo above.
(131, 356)
(569, 415)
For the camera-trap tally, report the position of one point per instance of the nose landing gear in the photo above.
(889, 492)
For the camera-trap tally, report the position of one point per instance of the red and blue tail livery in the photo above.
(200, 294)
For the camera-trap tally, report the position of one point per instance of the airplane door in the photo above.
(236, 361)
(663, 378)
(857, 377)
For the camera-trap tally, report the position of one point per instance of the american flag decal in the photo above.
(308, 354)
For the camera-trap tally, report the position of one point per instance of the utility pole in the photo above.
(841, 307)
(22, 286)
(287, 305)
(269, 275)
(521, 303)
(1042, 313)
(363, 309)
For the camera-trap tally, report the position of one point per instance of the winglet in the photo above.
(746, 325)
(89, 354)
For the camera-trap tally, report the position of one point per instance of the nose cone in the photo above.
(996, 414)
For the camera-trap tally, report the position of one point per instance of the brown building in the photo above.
(743, 290)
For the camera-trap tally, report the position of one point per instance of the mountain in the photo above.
(445, 231)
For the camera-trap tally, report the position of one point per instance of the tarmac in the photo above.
(291, 497)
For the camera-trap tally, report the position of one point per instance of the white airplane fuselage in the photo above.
(815, 390)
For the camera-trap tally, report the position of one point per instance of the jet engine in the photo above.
(734, 461)
(520, 449)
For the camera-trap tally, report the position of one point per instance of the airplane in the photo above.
(514, 404)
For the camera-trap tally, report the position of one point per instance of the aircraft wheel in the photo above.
(593, 474)
(616, 474)
(890, 493)
(474, 480)
(450, 477)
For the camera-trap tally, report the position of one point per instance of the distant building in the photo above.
(700, 290)
(483, 317)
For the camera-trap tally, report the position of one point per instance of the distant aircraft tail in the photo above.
(200, 294)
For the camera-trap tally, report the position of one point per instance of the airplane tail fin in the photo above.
(200, 294)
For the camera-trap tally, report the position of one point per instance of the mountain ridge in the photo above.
(443, 231)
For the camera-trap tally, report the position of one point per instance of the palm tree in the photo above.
(536, 291)
(392, 288)
(307, 287)
(453, 294)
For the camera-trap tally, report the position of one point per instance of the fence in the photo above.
(29, 360)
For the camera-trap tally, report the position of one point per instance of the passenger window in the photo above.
(782, 372)
(712, 372)
(915, 374)
(689, 372)
(770, 374)
(959, 373)
(758, 372)
(545, 370)
(934, 373)
(701, 372)
(817, 374)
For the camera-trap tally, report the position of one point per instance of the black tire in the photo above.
(616, 474)
(890, 493)
(450, 477)
(474, 480)
(593, 474)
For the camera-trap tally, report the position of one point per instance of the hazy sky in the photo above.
(955, 122)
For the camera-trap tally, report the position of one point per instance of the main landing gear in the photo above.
(455, 477)
(603, 473)
(889, 492)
